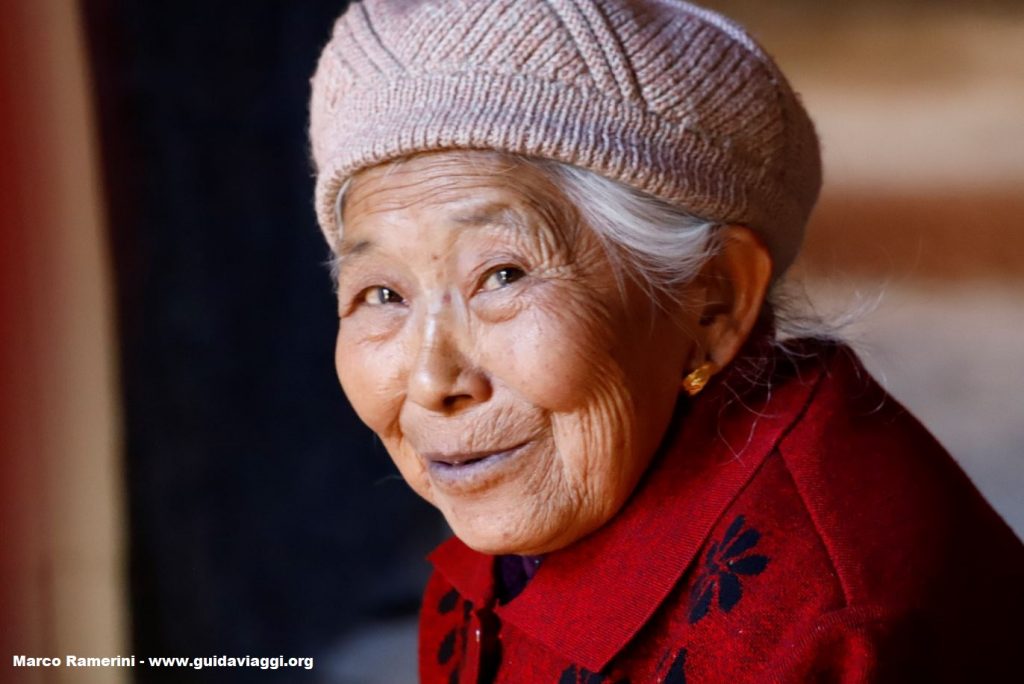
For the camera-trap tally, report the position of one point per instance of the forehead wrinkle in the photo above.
(481, 214)
(404, 188)
(461, 211)
(536, 203)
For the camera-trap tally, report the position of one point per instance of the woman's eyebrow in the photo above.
(498, 213)
(347, 250)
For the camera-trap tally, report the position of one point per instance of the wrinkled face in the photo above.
(518, 385)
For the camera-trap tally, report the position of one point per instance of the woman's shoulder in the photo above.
(915, 550)
(856, 549)
(878, 485)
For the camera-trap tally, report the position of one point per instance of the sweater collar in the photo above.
(709, 456)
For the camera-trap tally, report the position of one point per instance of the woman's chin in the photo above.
(513, 526)
(491, 528)
(498, 545)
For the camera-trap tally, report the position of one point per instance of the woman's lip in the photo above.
(461, 459)
(469, 472)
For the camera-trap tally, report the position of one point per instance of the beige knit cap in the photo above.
(664, 96)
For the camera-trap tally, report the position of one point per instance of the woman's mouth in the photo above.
(466, 471)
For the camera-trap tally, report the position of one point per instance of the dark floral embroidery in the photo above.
(447, 648)
(579, 675)
(723, 567)
(448, 602)
(677, 670)
(455, 639)
(671, 668)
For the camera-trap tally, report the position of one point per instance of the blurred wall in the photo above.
(920, 108)
(918, 105)
(61, 573)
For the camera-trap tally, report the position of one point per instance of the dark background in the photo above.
(264, 518)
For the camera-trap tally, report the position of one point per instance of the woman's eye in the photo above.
(377, 296)
(506, 275)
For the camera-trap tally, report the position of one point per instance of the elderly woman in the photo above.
(557, 226)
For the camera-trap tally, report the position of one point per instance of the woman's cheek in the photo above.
(371, 375)
(409, 466)
(369, 372)
(552, 356)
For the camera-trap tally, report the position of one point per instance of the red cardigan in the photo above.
(799, 527)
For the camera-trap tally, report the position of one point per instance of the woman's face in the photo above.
(518, 384)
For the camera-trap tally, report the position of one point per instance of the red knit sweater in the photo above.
(798, 527)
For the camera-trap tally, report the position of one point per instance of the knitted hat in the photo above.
(661, 95)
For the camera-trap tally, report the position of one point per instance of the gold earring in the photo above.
(696, 381)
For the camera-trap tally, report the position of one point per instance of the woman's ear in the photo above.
(735, 284)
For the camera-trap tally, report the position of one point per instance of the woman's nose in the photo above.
(442, 379)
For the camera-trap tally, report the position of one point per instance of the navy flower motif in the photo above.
(671, 667)
(677, 670)
(724, 566)
(455, 639)
(579, 675)
(448, 602)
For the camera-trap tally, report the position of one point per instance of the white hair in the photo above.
(663, 246)
(659, 245)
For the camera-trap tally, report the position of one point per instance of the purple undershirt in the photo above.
(514, 572)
